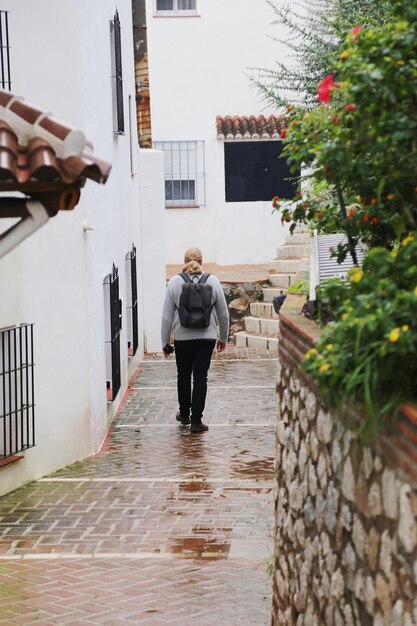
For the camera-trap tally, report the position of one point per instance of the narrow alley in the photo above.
(162, 526)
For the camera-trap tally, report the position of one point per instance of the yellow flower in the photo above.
(394, 335)
(329, 346)
(407, 240)
(400, 62)
(393, 254)
(345, 54)
(415, 291)
(405, 328)
(310, 353)
(324, 367)
(356, 275)
(345, 315)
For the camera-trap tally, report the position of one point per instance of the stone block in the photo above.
(336, 455)
(337, 585)
(324, 427)
(407, 528)
(359, 537)
(390, 494)
(375, 500)
(372, 548)
(330, 509)
(284, 266)
(282, 280)
(383, 595)
(290, 251)
(348, 481)
(322, 471)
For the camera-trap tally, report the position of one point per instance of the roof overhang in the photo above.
(45, 160)
(241, 127)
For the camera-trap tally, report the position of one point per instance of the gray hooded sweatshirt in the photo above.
(171, 319)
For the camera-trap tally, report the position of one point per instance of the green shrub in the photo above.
(369, 354)
(300, 287)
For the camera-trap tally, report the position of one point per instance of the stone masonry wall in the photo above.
(346, 515)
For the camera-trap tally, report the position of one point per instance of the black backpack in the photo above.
(195, 303)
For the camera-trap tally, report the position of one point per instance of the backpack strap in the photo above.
(204, 277)
(185, 277)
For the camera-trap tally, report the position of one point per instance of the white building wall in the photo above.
(152, 264)
(199, 68)
(61, 62)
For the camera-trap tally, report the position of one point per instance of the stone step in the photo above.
(284, 266)
(282, 280)
(270, 293)
(263, 309)
(260, 325)
(297, 239)
(290, 251)
(249, 340)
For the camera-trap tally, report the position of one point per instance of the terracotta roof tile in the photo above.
(38, 152)
(250, 127)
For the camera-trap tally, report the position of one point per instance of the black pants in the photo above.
(193, 359)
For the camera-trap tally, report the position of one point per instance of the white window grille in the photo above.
(176, 7)
(184, 173)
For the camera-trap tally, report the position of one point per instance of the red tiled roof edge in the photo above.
(36, 147)
(250, 127)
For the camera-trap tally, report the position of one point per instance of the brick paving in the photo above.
(162, 526)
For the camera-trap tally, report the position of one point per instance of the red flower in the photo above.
(375, 220)
(366, 217)
(374, 201)
(325, 87)
(283, 134)
(356, 31)
(335, 119)
(350, 107)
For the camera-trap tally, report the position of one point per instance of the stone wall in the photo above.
(346, 515)
(239, 297)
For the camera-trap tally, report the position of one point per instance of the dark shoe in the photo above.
(184, 420)
(198, 428)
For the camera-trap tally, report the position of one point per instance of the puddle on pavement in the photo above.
(195, 547)
(256, 468)
(193, 486)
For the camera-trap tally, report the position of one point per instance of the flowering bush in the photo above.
(369, 354)
(361, 140)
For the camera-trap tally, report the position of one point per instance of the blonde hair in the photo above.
(193, 260)
(193, 267)
(193, 254)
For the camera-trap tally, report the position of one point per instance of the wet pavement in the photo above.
(163, 526)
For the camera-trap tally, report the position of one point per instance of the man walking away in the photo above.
(193, 309)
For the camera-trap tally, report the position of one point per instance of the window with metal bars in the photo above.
(117, 78)
(5, 77)
(113, 316)
(17, 402)
(132, 306)
(176, 7)
(184, 173)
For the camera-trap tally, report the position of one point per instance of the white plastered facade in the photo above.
(61, 62)
(199, 68)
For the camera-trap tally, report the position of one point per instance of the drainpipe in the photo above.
(32, 214)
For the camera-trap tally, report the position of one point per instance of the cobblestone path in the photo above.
(163, 526)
